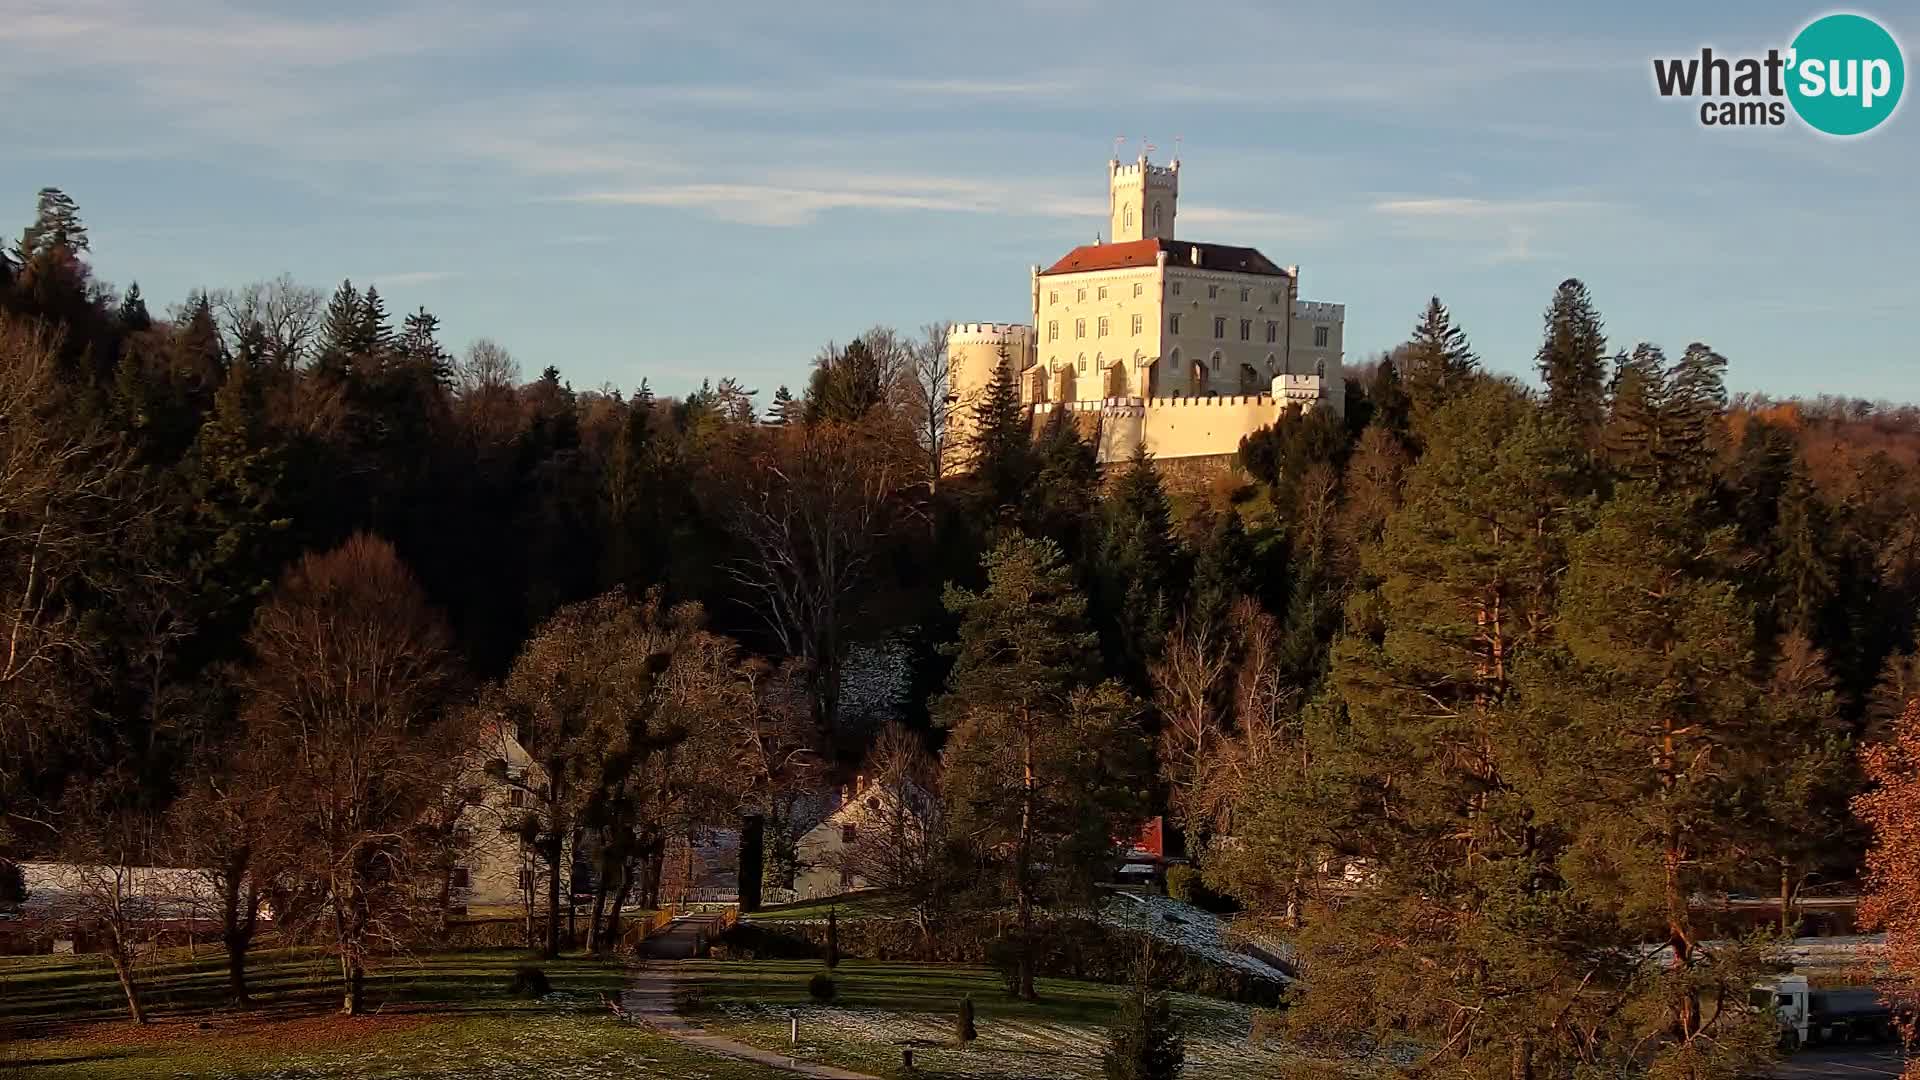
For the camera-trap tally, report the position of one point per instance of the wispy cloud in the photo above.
(412, 277)
(1453, 207)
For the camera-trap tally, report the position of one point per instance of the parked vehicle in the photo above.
(1809, 1017)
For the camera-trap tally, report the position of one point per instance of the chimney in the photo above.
(1196, 254)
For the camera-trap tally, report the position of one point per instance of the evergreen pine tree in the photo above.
(239, 513)
(1058, 502)
(1804, 572)
(56, 227)
(1436, 363)
(340, 334)
(1141, 571)
(1572, 358)
(1002, 441)
(786, 408)
(133, 311)
(1145, 1041)
(1043, 770)
(374, 333)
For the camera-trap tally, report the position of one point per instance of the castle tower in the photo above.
(1142, 198)
(974, 351)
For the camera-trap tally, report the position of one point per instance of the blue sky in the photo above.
(686, 190)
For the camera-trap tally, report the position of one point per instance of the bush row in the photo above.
(1068, 947)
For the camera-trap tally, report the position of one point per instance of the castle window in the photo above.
(1053, 330)
(1273, 331)
(1081, 363)
(1079, 328)
(1136, 320)
(1053, 296)
(1103, 292)
(1102, 329)
(1081, 295)
(1176, 288)
(1320, 369)
(1138, 288)
(1219, 326)
(1213, 292)
(1126, 216)
(1216, 359)
(1173, 323)
(1276, 296)
(1244, 294)
(1156, 217)
(1246, 329)
(1319, 337)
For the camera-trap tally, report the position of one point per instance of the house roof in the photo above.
(1130, 253)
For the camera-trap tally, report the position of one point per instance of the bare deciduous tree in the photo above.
(901, 834)
(813, 504)
(349, 687)
(285, 313)
(930, 400)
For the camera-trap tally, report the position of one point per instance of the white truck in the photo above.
(1809, 1017)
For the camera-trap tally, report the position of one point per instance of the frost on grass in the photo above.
(1218, 1040)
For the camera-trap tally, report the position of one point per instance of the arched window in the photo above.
(1081, 363)
(1156, 217)
(1216, 359)
(1126, 216)
(1320, 369)
(1273, 366)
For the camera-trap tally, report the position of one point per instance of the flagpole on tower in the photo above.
(1118, 142)
(1176, 148)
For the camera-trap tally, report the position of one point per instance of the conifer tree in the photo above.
(1804, 572)
(1465, 939)
(1436, 362)
(1059, 501)
(1044, 768)
(56, 227)
(340, 336)
(239, 511)
(1002, 441)
(786, 410)
(1662, 418)
(1572, 358)
(1141, 570)
(374, 333)
(1145, 1041)
(133, 311)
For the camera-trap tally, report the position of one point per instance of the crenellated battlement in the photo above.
(1143, 167)
(1319, 311)
(989, 332)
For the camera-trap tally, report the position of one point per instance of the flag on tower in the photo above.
(1149, 147)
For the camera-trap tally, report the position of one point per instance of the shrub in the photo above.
(963, 1028)
(529, 981)
(1182, 883)
(1145, 1042)
(822, 987)
(1003, 956)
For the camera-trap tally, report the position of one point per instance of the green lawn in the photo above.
(882, 1006)
(445, 1016)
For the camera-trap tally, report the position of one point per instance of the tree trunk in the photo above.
(619, 901)
(1787, 921)
(354, 975)
(1024, 889)
(552, 950)
(239, 912)
(123, 968)
(594, 941)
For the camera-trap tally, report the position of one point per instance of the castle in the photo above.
(1179, 346)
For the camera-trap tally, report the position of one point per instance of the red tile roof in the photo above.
(1243, 260)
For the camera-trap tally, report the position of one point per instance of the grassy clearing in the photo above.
(445, 1016)
(881, 1006)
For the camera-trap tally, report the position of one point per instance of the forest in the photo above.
(1472, 691)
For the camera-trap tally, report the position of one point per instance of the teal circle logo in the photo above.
(1845, 75)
